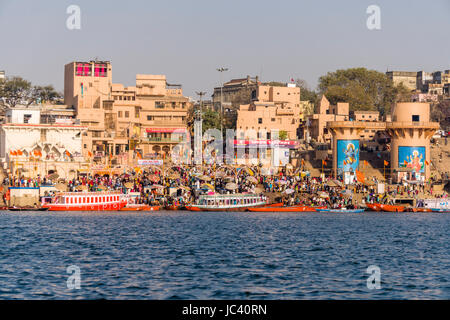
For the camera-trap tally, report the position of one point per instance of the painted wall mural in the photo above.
(347, 155)
(412, 157)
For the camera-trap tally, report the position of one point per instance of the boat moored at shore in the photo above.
(227, 202)
(86, 201)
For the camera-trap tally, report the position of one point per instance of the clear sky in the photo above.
(188, 40)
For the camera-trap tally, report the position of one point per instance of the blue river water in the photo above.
(184, 255)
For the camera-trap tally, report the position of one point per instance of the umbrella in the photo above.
(102, 187)
(184, 188)
(323, 194)
(207, 185)
(281, 181)
(128, 185)
(61, 187)
(82, 187)
(289, 191)
(220, 174)
(252, 179)
(205, 178)
(249, 171)
(231, 186)
(229, 178)
(53, 176)
(154, 178)
(155, 186)
(174, 176)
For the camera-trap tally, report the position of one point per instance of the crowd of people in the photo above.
(179, 185)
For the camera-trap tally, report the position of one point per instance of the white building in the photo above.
(29, 147)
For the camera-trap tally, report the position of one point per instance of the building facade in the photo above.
(31, 146)
(406, 78)
(120, 119)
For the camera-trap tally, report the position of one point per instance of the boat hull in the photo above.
(341, 210)
(385, 207)
(94, 207)
(285, 209)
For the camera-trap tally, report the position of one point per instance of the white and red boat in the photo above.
(86, 201)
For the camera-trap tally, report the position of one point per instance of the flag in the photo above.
(89, 154)
(386, 163)
(19, 152)
(324, 163)
(360, 176)
(405, 163)
(13, 152)
(345, 162)
(68, 153)
(366, 163)
(427, 163)
(139, 155)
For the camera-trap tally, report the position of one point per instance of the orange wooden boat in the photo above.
(385, 207)
(151, 208)
(173, 207)
(422, 210)
(286, 209)
(131, 209)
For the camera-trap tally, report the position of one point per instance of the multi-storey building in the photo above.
(86, 86)
(121, 119)
(407, 78)
(149, 114)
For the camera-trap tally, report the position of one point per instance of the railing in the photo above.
(164, 140)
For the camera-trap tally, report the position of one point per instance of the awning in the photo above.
(164, 130)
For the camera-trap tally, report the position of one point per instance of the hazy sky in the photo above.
(188, 40)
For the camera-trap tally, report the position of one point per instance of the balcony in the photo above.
(164, 140)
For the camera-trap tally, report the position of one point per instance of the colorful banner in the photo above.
(266, 143)
(147, 162)
(347, 155)
(412, 157)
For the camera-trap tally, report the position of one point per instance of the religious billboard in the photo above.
(412, 157)
(347, 155)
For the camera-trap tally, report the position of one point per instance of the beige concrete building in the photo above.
(316, 124)
(119, 118)
(407, 78)
(274, 108)
(147, 114)
(366, 116)
(86, 86)
(410, 131)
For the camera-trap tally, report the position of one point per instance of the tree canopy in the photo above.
(363, 89)
(16, 90)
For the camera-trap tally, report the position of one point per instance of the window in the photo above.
(415, 118)
(150, 118)
(120, 114)
(26, 118)
(136, 112)
(85, 146)
(127, 114)
(273, 119)
(259, 120)
(83, 69)
(159, 105)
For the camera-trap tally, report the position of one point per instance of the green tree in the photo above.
(46, 93)
(306, 94)
(363, 89)
(211, 120)
(16, 90)
(283, 135)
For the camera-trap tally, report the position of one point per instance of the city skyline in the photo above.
(289, 40)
